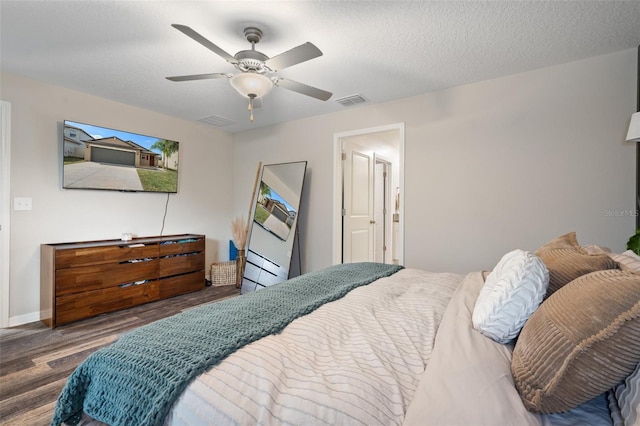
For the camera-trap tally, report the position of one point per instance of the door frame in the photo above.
(337, 185)
(387, 215)
(5, 210)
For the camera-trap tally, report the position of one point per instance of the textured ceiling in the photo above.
(383, 50)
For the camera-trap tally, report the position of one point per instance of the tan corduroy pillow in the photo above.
(580, 342)
(566, 261)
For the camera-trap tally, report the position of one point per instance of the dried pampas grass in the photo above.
(239, 231)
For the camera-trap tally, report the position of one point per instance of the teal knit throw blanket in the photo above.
(136, 380)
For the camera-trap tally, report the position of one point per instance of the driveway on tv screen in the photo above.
(89, 174)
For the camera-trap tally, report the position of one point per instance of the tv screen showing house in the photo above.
(273, 213)
(101, 158)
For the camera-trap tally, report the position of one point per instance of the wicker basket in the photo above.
(223, 273)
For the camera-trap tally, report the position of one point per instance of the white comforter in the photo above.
(357, 360)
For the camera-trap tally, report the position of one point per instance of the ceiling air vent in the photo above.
(217, 121)
(352, 100)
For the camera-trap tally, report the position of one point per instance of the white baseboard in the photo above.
(24, 319)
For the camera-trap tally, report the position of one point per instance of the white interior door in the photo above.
(358, 220)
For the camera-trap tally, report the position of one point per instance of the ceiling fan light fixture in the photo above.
(251, 85)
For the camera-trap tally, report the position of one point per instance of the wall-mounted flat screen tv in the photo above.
(100, 158)
(273, 213)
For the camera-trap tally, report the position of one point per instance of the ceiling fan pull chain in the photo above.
(251, 109)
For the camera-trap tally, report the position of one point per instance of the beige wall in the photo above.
(37, 113)
(489, 167)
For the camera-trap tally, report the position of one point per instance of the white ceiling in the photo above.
(383, 50)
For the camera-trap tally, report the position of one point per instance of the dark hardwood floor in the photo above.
(35, 361)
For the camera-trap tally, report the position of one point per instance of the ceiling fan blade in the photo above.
(206, 43)
(314, 92)
(299, 54)
(199, 76)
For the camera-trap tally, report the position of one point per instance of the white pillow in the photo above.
(511, 293)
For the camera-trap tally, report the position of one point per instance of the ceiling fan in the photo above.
(252, 81)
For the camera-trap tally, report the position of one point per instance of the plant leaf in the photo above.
(634, 242)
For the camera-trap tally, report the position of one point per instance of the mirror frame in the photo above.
(268, 250)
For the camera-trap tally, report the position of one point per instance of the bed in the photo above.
(381, 344)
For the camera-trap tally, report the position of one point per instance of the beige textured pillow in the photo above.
(566, 261)
(580, 342)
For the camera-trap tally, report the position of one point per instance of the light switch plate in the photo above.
(22, 203)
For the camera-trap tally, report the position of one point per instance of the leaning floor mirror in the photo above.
(272, 231)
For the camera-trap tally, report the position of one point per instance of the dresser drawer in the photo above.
(181, 284)
(181, 264)
(86, 278)
(181, 248)
(103, 254)
(73, 307)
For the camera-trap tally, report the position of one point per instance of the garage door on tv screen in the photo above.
(100, 158)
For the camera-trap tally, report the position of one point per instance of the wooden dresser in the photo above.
(84, 279)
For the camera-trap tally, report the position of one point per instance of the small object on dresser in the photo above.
(223, 273)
